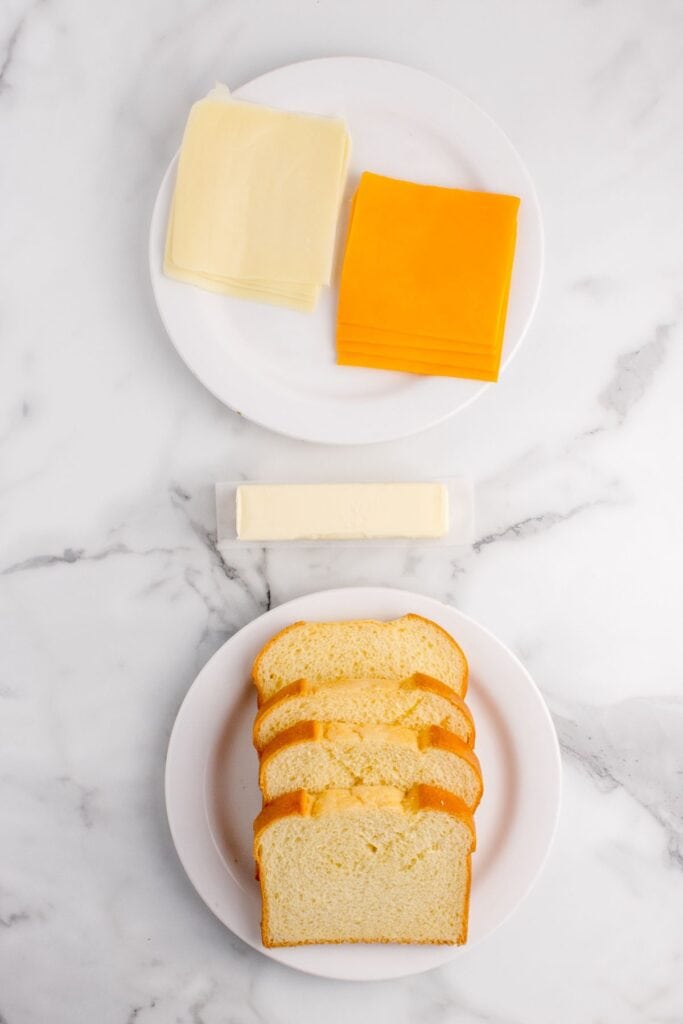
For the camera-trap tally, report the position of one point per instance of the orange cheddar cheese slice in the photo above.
(405, 365)
(353, 334)
(464, 359)
(426, 278)
(421, 347)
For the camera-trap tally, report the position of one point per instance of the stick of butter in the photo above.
(341, 511)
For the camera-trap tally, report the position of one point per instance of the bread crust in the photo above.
(465, 678)
(420, 797)
(256, 667)
(424, 682)
(302, 732)
(296, 803)
(435, 736)
(418, 680)
(430, 736)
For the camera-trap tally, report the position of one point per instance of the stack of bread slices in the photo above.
(369, 782)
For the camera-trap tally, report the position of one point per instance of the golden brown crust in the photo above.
(435, 736)
(444, 740)
(432, 685)
(430, 622)
(433, 798)
(295, 689)
(264, 650)
(421, 797)
(418, 680)
(409, 615)
(431, 736)
(296, 803)
(302, 732)
(462, 938)
(460, 941)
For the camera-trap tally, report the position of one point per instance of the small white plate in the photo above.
(276, 366)
(212, 794)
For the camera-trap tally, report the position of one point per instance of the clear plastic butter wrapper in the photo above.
(388, 513)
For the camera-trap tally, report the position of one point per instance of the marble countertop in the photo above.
(112, 595)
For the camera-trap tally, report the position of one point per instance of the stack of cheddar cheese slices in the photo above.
(369, 782)
(426, 279)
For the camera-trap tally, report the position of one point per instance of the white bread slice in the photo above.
(331, 755)
(414, 702)
(367, 864)
(357, 650)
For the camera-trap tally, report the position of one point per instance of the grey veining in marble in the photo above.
(113, 593)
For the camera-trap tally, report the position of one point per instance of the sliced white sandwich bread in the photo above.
(367, 864)
(357, 650)
(333, 755)
(413, 702)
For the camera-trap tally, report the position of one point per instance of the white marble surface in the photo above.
(112, 594)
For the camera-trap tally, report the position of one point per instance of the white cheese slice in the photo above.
(341, 511)
(256, 201)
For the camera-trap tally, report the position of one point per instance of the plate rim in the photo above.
(397, 433)
(447, 953)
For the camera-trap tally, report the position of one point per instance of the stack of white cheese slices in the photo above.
(369, 782)
(256, 201)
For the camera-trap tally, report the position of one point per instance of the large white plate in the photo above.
(212, 794)
(277, 366)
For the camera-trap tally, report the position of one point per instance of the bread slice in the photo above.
(367, 864)
(359, 649)
(414, 702)
(331, 755)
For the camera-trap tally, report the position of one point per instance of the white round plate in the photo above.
(212, 795)
(276, 366)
